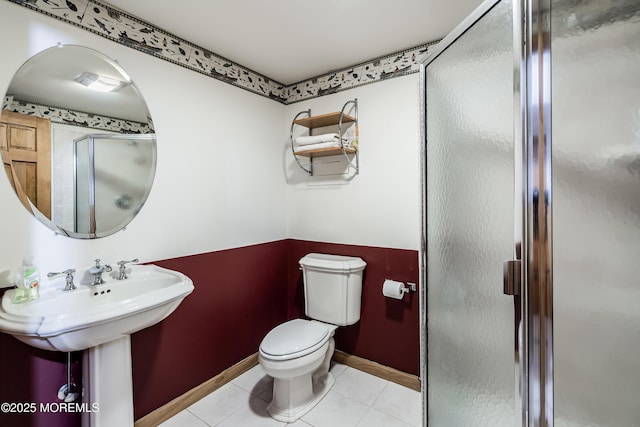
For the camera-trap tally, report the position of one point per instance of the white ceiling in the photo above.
(292, 40)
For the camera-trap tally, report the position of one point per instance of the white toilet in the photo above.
(298, 352)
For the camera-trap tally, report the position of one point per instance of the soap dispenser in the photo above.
(27, 281)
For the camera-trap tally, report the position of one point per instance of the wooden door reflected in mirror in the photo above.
(25, 142)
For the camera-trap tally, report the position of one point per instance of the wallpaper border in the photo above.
(77, 118)
(115, 25)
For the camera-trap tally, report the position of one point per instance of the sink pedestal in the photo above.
(108, 387)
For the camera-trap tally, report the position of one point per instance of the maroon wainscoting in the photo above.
(239, 296)
(242, 293)
(389, 330)
(33, 376)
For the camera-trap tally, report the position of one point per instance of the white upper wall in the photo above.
(225, 175)
(381, 206)
(217, 183)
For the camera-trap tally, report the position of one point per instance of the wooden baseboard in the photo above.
(180, 403)
(373, 368)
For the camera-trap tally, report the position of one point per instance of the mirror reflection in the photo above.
(77, 142)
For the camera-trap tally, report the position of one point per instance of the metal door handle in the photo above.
(511, 277)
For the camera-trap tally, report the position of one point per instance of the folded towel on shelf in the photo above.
(310, 147)
(318, 139)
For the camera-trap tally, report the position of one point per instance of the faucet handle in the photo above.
(122, 270)
(68, 286)
(68, 272)
(121, 264)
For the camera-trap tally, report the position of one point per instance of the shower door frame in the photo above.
(533, 291)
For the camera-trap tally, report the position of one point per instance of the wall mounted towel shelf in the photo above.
(339, 119)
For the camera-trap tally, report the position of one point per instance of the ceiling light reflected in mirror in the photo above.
(99, 83)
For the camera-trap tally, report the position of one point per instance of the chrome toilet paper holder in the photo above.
(396, 289)
(409, 287)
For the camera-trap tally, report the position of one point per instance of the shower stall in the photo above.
(531, 266)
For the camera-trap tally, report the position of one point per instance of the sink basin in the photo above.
(93, 315)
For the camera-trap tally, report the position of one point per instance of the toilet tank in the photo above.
(332, 287)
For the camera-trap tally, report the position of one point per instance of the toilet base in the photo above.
(294, 397)
(318, 390)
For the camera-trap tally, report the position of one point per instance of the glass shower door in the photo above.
(470, 225)
(595, 48)
(580, 331)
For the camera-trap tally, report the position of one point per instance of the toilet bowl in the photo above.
(297, 354)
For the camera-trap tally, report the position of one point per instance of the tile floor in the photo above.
(356, 399)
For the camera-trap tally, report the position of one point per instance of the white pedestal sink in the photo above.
(100, 319)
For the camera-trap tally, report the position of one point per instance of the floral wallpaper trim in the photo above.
(75, 118)
(119, 27)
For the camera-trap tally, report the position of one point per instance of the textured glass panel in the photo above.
(470, 211)
(596, 212)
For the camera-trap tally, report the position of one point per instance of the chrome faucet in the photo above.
(97, 271)
(68, 285)
(122, 269)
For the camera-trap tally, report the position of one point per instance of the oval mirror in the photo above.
(77, 142)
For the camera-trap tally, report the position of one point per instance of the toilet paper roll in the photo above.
(393, 289)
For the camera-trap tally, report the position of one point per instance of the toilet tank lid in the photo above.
(339, 263)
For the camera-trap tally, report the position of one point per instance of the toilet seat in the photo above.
(295, 338)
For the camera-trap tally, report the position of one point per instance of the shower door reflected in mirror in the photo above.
(470, 226)
(113, 176)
